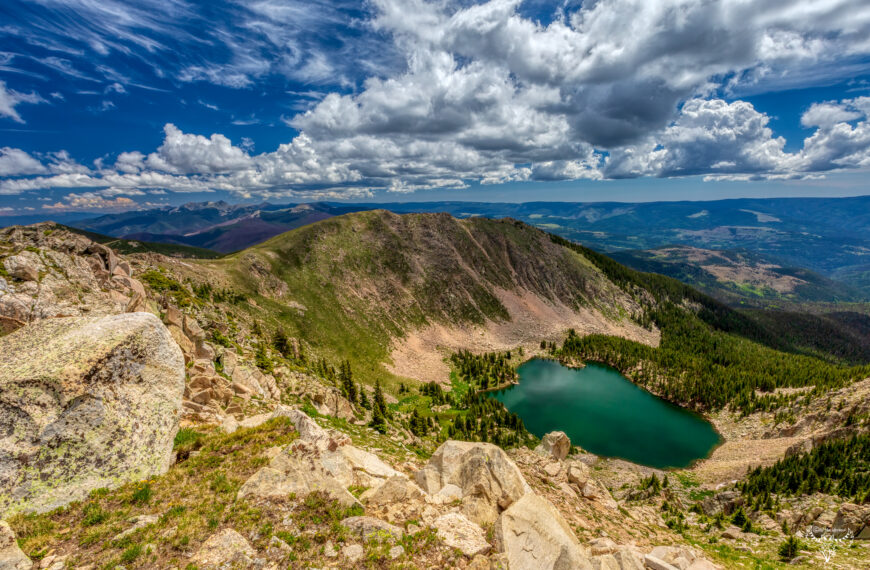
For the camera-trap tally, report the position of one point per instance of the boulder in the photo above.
(397, 498)
(353, 552)
(578, 474)
(603, 545)
(138, 522)
(367, 527)
(350, 465)
(654, 563)
(853, 519)
(11, 557)
(627, 559)
(674, 555)
(330, 402)
(298, 470)
(533, 535)
(24, 266)
(456, 531)
(225, 549)
(85, 403)
(555, 444)
(489, 480)
(247, 376)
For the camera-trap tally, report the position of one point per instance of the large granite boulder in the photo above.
(85, 403)
(556, 444)
(487, 480)
(533, 535)
(297, 469)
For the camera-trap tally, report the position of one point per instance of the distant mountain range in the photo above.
(820, 246)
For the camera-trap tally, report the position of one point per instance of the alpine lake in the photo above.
(606, 414)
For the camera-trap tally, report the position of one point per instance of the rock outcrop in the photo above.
(53, 272)
(488, 481)
(852, 519)
(533, 534)
(556, 444)
(85, 403)
(320, 460)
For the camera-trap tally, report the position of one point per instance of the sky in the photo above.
(109, 105)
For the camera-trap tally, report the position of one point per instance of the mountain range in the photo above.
(823, 240)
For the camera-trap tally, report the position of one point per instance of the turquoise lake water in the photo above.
(605, 414)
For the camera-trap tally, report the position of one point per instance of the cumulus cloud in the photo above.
(183, 153)
(708, 136)
(836, 143)
(91, 201)
(16, 162)
(614, 89)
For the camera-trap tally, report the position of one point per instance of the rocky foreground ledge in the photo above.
(85, 403)
(469, 506)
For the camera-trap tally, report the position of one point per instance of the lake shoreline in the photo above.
(611, 402)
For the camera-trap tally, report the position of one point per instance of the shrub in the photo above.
(142, 495)
(789, 548)
(93, 514)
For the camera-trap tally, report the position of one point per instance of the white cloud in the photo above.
(837, 144)
(183, 153)
(16, 162)
(10, 99)
(827, 114)
(709, 136)
(613, 89)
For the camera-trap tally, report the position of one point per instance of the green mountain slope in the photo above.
(352, 285)
(358, 286)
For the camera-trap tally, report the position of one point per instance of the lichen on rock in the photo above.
(85, 403)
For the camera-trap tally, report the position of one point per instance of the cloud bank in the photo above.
(612, 89)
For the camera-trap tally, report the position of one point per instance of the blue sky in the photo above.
(108, 105)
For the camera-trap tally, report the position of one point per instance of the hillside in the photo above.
(377, 287)
(217, 226)
(739, 277)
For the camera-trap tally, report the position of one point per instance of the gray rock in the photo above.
(368, 527)
(458, 532)
(654, 563)
(556, 444)
(489, 480)
(353, 552)
(24, 266)
(11, 557)
(85, 403)
(226, 548)
(138, 522)
(533, 534)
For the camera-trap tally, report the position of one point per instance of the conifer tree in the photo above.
(379, 419)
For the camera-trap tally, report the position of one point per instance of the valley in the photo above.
(348, 355)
